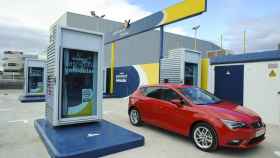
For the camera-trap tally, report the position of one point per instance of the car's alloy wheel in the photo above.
(204, 137)
(135, 118)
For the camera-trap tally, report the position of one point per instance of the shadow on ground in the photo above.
(223, 152)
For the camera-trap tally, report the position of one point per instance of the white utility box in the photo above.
(74, 76)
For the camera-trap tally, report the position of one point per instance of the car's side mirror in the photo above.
(177, 102)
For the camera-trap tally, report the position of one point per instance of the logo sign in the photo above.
(177, 12)
(86, 95)
(121, 78)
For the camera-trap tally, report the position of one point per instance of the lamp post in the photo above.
(195, 36)
(222, 38)
(244, 41)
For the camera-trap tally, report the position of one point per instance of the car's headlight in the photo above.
(234, 124)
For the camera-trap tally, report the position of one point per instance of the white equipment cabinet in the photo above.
(35, 77)
(74, 62)
(181, 66)
(251, 80)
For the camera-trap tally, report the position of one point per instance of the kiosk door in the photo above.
(79, 83)
(35, 83)
(191, 74)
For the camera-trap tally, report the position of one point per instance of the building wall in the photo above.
(12, 63)
(137, 50)
(260, 90)
(140, 49)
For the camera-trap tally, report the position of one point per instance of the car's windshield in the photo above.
(199, 96)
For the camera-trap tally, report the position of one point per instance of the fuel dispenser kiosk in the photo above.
(73, 127)
(74, 77)
(35, 81)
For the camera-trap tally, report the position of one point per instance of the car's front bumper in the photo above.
(242, 138)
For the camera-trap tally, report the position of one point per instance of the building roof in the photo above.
(245, 58)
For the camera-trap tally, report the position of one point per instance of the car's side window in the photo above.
(169, 94)
(153, 92)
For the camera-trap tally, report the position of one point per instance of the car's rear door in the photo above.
(149, 104)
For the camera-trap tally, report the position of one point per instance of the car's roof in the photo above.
(168, 85)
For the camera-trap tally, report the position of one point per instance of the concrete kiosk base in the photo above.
(27, 99)
(86, 140)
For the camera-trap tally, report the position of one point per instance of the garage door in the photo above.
(229, 83)
(261, 91)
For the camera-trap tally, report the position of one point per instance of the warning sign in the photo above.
(272, 74)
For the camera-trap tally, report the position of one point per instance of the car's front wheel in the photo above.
(205, 137)
(134, 116)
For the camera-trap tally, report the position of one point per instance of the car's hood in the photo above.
(230, 111)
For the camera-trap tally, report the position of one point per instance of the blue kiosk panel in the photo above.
(86, 140)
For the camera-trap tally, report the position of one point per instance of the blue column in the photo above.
(161, 42)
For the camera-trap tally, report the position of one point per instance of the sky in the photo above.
(24, 24)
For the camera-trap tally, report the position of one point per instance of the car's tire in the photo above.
(205, 137)
(134, 117)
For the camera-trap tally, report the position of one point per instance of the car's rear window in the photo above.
(147, 90)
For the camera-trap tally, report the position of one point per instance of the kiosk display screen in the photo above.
(191, 74)
(35, 80)
(79, 82)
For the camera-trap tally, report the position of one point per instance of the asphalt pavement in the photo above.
(18, 138)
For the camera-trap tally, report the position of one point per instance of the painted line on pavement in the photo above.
(277, 153)
(107, 112)
(16, 121)
(93, 135)
(5, 110)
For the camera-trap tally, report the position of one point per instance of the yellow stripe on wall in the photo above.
(152, 72)
(113, 47)
(204, 73)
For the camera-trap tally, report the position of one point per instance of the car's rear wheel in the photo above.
(134, 116)
(204, 137)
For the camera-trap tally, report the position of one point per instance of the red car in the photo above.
(191, 111)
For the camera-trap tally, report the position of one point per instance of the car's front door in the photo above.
(174, 117)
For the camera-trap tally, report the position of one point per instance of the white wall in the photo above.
(260, 91)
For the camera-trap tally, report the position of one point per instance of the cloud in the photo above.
(42, 13)
(177, 30)
(24, 24)
(21, 38)
(261, 33)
